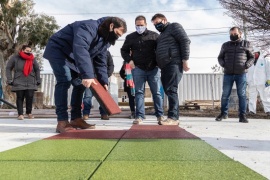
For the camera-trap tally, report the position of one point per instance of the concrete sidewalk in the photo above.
(247, 143)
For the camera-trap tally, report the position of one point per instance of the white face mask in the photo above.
(140, 29)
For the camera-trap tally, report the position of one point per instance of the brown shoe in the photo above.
(105, 117)
(30, 116)
(80, 123)
(63, 126)
(86, 116)
(20, 117)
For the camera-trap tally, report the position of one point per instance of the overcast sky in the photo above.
(204, 21)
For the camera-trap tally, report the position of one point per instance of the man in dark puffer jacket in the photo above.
(235, 57)
(172, 54)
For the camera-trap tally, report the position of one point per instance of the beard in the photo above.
(108, 36)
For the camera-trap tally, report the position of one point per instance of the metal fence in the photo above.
(192, 87)
(200, 87)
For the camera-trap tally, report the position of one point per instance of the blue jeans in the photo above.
(241, 83)
(153, 78)
(171, 75)
(63, 77)
(87, 103)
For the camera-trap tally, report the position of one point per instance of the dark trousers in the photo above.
(131, 100)
(28, 95)
(171, 75)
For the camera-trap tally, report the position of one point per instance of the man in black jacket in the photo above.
(172, 55)
(235, 57)
(139, 51)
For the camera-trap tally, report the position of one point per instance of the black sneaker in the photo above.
(251, 113)
(243, 118)
(221, 116)
(132, 116)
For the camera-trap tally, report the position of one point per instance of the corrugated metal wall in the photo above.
(200, 87)
(191, 87)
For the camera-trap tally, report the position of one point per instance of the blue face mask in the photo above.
(140, 29)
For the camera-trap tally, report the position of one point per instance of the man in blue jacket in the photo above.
(79, 50)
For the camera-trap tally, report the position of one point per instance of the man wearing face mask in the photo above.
(79, 50)
(257, 78)
(139, 51)
(235, 57)
(172, 56)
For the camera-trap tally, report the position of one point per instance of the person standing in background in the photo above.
(87, 98)
(131, 98)
(25, 79)
(258, 76)
(235, 57)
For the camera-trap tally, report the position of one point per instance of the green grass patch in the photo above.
(54, 150)
(32, 170)
(164, 150)
(225, 170)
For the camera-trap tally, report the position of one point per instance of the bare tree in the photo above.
(217, 69)
(19, 24)
(253, 16)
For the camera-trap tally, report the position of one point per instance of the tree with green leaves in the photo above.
(19, 24)
(254, 18)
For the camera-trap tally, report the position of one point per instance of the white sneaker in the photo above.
(138, 121)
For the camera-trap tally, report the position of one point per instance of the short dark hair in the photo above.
(158, 15)
(140, 17)
(118, 22)
(235, 27)
(27, 46)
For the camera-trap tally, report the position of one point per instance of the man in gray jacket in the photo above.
(172, 54)
(235, 57)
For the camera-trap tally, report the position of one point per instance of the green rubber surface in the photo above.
(46, 170)
(164, 150)
(141, 170)
(53, 150)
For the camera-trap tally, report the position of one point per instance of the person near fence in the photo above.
(235, 57)
(172, 55)
(258, 77)
(88, 95)
(24, 80)
(77, 54)
(142, 43)
(127, 89)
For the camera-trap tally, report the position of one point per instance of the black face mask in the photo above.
(112, 37)
(234, 37)
(160, 27)
(27, 53)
